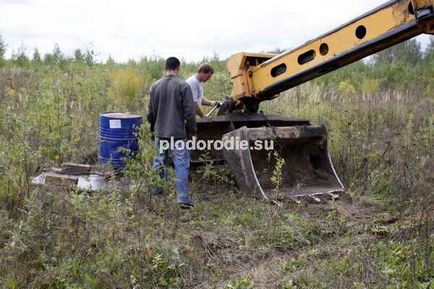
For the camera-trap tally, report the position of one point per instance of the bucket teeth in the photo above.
(331, 196)
(314, 198)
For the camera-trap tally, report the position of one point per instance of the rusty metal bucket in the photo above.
(305, 172)
(298, 165)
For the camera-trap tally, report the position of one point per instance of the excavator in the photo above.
(300, 148)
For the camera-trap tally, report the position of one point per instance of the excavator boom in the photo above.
(262, 76)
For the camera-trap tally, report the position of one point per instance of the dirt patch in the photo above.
(352, 210)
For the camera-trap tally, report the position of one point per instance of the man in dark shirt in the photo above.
(171, 115)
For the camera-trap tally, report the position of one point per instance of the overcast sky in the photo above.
(188, 29)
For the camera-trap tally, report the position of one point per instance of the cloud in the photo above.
(189, 29)
(14, 2)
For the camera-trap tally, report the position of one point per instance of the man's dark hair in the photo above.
(205, 68)
(172, 63)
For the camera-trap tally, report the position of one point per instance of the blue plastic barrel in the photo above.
(117, 131)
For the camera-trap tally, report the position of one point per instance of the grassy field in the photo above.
(379, 234)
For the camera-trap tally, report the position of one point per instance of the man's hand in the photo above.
(215, 102)
(210, 102)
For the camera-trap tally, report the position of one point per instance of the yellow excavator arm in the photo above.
(300, 148)
(261, 76)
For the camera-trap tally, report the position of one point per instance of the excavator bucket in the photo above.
(292, 163)
(297, 164)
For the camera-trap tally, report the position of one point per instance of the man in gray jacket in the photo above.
(171, 115)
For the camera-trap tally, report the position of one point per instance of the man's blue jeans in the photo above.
(181, 160)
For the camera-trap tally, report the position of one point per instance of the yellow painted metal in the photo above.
(250, 80)
(420, 4)
(238, 65)
(338, 42)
